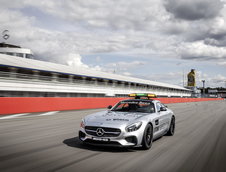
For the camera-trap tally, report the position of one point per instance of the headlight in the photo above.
(82, 124)
(133, 127)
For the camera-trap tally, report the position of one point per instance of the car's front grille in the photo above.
(108, 132)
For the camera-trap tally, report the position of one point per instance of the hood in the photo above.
(112, 118)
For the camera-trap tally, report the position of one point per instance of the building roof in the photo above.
(13, 61)
(4, 45)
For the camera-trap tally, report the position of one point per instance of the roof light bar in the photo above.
(139, 95)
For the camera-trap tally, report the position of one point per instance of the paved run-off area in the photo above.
(36, 142)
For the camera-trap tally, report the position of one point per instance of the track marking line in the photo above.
(13, 116)
(23, 115)
(48, 113)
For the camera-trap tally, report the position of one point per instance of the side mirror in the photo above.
(163, 109)
(110, 106)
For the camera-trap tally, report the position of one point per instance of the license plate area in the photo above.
(100, 139)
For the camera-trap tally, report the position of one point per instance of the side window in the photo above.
(152, 109)
(158, 106)
(163, 105)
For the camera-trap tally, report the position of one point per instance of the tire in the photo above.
(147, 137)
(172, 127)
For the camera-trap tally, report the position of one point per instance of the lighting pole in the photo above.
(183, 78)
(203, 86)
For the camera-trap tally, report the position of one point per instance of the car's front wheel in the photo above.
(147, 137)
(172, 127)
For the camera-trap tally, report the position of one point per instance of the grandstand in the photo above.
(22, 76)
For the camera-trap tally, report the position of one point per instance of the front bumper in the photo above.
(125, 139)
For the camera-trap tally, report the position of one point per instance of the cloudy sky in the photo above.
(160, 40)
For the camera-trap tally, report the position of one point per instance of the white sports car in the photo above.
(130, 123)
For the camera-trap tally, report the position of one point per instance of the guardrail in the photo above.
(12, 105)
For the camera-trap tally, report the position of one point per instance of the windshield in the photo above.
(135, 106)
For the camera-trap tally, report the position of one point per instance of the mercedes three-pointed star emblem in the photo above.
(100, 132)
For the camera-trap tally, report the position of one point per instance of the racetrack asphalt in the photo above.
(50, 143)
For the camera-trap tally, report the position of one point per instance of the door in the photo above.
(162, 120)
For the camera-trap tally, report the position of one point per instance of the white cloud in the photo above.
(178, 78)
(219, 26)
(222, 63)
(210, 80)
(219, 79)
(124, 66)
(75, 60)
(119, 14)
(199, 50)
(139, 30)
(112, 26)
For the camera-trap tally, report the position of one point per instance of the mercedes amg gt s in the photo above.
(130, 123)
